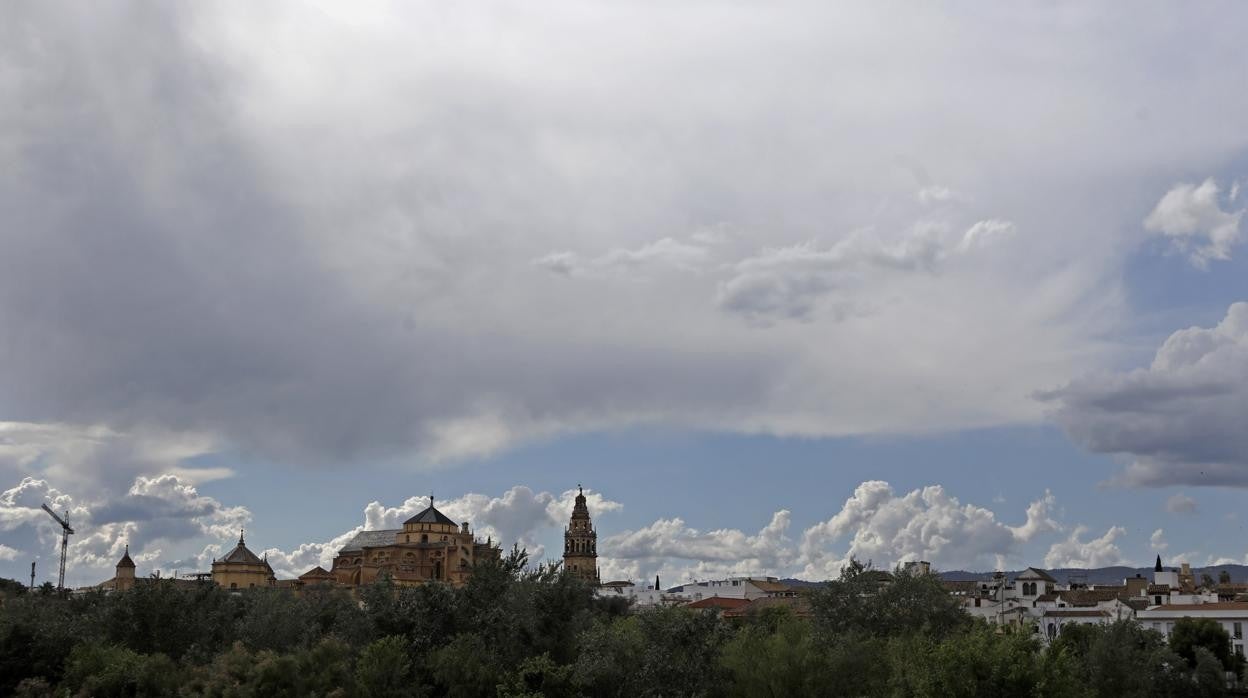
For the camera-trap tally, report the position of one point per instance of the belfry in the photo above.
(580, 542)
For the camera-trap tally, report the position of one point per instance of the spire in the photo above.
(240, 536)
(656, 583)
(1157, 567)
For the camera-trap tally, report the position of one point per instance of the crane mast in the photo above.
(65, 531)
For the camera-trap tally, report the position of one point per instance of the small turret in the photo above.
(124, 577)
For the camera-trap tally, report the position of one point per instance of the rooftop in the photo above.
(370, 539)
(431, 516)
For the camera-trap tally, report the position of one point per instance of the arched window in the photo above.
(424, 538)
(233, 585)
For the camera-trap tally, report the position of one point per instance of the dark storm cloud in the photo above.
(1182, 419)
(310, 234)
(152, 274)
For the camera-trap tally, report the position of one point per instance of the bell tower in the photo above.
(580, 542)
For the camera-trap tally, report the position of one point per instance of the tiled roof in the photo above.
(125, 560)
(317, 572)
(1076, 614)
(1089, 597)
(370, 539)
(1202, 607)
(1033, 573)
(1046, 598)
(1159, 588)
(241, 555)
(721, 602)
(431, 516)
(799, 606)
(771, 587)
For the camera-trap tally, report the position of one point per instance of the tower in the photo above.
(580, 542)
(123, 579)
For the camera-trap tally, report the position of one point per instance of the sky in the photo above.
(780, 284)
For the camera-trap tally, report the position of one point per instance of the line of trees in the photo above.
(517, 631)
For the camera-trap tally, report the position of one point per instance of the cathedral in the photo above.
(429, 547)
(580, 542)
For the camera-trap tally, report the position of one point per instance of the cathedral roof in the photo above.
(370, 539)
(241, 555)
(431, 516)
(317, 572)
(125, 560)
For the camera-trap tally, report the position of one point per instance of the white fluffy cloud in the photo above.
(1158, 540)
(1097, 552)
(1180, 418)
(674, 549)
(924, 524)
(874, 523)
(156, 512)
(1191, 216)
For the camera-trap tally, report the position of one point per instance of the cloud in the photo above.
(663, 253)
(1180, 503)
(923, 524)
(1097, 552)
(179, 257)
(7, 553)
(874, 523)
(673, 549)
(155, 511)
(1179, 418)
(934, 194)
(1158, 540)
(1192, 218)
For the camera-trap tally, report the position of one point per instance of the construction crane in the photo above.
(65, 531)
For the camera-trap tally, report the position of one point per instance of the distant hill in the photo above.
(1103, 575)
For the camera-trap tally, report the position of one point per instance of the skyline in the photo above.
(779, 285)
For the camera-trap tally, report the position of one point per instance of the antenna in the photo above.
(65, 531)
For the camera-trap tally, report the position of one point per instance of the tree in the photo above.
(465, 667)
(878, 604)
(275, 619)
(538, 677)
(975, 662)
(1123, 659)
(1191, 633)
(777, 657)
(608, 654)
(384, 669)
(1206, 581)
(680, 655)
(1224, 577)
(1207, 674)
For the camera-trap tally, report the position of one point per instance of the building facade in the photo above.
(580, 542)
(242, 569)
(429, 548)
